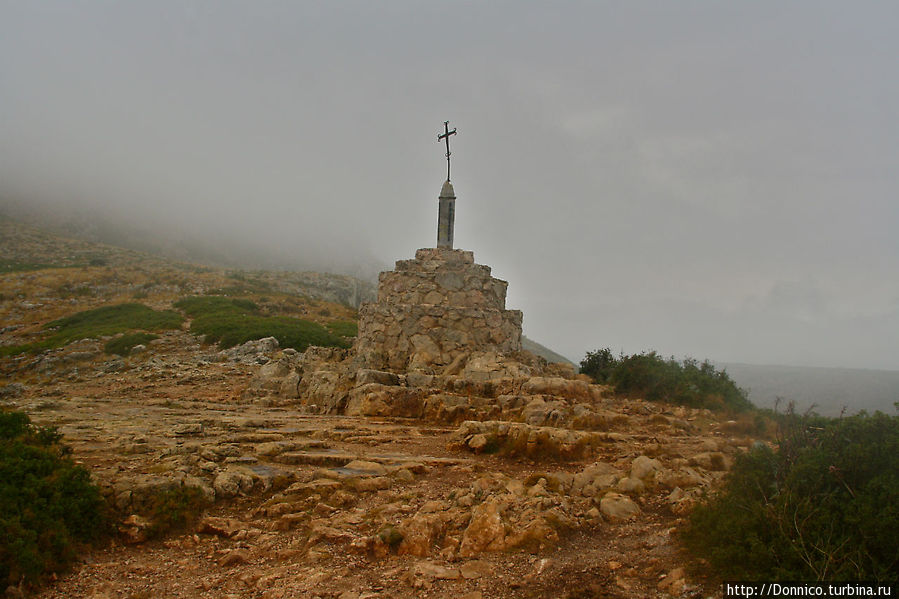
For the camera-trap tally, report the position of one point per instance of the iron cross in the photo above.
(445, 136)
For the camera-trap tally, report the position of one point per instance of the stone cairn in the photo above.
(434, 310)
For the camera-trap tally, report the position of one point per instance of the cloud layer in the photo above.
(712, 179)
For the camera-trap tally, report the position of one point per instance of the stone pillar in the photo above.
(446, 216)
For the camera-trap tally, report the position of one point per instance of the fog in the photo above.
(700, 178)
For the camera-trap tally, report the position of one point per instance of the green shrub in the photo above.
(123, 345)
(648, 375)
(108, 320)
(175, 509)
(12, 266)
(48, 505)
(823, 506)
(391, 537)
(231, 321)
(599, 365)
(343, 328)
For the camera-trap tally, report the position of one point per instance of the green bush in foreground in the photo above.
(648, 375)
(47, 504)
(123, 345)
(231, 322)
(823, 506)
(99, 322)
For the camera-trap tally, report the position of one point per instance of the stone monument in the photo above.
(438, 308)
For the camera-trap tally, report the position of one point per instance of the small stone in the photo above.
(195, 428)
(404, 475)
(674, 582)
(475, 569)
(485, 531)
(642, 468)
(135, 529)
(631, 485)
(478, 443)
(222, 527)
(618, 507)
(368, 468)
(432, 571)
(234, 558)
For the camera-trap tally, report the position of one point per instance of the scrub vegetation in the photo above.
(48, 505)
(231, 321)
(822, 505)
(123, 345)
(99, 322)
(648, 375)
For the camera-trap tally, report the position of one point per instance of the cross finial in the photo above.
(445, 136)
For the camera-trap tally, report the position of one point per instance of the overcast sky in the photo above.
(714, 179)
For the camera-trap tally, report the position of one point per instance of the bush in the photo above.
(175, 509)
(599, 365)
(123, 345)
(108, 320)
(48, 505)
(823, 506)
(12, 266)
(343, 328)
(232, 321)
(652, 377)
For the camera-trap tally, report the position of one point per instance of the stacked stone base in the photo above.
(433, 311)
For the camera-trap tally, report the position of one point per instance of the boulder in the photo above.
(486, 531)
(232, 482)
(420, 533)
(618, 507)
(645, 468)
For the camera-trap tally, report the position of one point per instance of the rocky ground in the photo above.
(499, 479)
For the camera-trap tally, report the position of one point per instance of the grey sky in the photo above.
(715, 179)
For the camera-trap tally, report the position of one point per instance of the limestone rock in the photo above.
(135, 529)
(419, 533)
(631, 486)
(684, 478)
(644, 468)
(535, 534)
(232, 482)
(475, 569)
(222, 527)
(485, 532)
(712, 460)
(594, 479)
(618, 507)
(365, 376)
(430, 570)
(478, 442)
(366, 468)
(234, 558)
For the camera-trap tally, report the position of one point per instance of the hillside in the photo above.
(25, 248)
(543, 351)
(505, 479)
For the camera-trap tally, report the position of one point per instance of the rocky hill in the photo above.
(495, 477)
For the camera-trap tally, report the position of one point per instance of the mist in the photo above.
(709, 179)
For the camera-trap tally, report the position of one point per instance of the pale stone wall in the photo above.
(433, 309)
